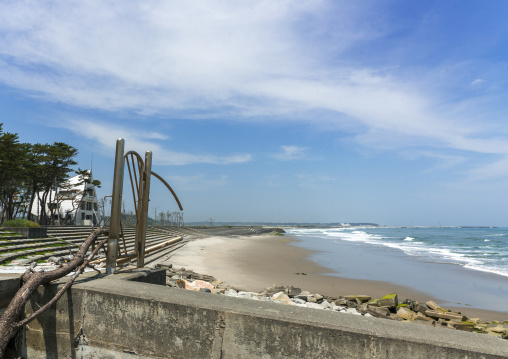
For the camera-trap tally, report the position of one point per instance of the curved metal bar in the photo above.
(141, 163)
(135, 154)
(169, 187)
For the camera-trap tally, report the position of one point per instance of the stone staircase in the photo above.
(63, 241)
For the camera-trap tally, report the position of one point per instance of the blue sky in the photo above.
(391, 112)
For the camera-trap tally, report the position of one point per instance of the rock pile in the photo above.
(387, 307)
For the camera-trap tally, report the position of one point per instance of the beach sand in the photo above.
(253, 263)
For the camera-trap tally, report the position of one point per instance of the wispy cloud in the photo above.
(106, 135)
(311, 180)
(240, 61)
(289, 153)
(198, 182)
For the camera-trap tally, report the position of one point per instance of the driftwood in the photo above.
(10, 321)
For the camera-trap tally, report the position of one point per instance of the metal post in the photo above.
(116, 207)
(143, 214)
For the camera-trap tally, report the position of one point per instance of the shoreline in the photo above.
(254, 263)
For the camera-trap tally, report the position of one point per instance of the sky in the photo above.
(393, 112)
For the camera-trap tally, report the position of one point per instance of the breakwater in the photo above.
(105, 316)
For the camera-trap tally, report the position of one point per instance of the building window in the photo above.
(88, 206)
(83, 205)
(82, 216)
(95, 207)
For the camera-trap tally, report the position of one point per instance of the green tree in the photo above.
(12, 173)
(54, 168)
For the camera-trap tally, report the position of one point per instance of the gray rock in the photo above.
(293, 291)
(305, 293)
(341, 301)
(282, 298)
(352, 311)
(302, 297)
(231, 293)
(313, 305)
(390, 301)
(247, 295)
(311, 299)
(298, 301)
(270, 291)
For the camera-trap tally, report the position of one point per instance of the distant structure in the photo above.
(73, 202)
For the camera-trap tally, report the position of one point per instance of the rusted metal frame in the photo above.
(123, 238)
(142, 224)
(169, 187)
(136, 195)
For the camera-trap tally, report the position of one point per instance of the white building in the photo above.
(73, 203)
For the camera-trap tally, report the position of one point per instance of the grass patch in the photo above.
(42, 252)
(6, 263)
(20, 223)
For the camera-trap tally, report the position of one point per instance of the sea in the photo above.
(462, 266)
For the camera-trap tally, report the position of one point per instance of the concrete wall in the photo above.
(29, 232)
(110, 317)
(9, 285)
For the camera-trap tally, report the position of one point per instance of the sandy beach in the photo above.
(253, 263)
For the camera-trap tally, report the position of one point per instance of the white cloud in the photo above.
(198, 182)
(236, 60)
(289, 153)
(106, 135)
(477, 82)
(311, 180)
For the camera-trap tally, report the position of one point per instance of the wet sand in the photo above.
(253, 263)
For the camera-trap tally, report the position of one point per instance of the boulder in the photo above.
(325, 304)
(281, 297)
(311, 299)
(248, 295)
(378, 312)
(445, 315)
(498, 329)
(467, 327)
(197, 285)
(293, 291)
(231, 293)
(361, 297)
(341, 301)
(353, 311)
(421, 316)
(389, 301)
(406, 314)
(434, 306)
(270, 291)
(298, 301)
(318, 297)
(313, 305)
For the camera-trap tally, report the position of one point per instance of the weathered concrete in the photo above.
(9, 285)
(29, 232)
(110, 317)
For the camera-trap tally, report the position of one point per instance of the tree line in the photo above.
(29, 173)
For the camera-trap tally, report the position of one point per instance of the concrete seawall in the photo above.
(111, 317)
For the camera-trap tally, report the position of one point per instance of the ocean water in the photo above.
(481, 249)
(460, 266)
